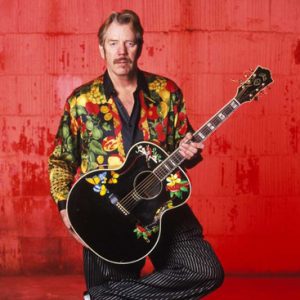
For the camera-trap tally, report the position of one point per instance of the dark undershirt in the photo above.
(130, 129)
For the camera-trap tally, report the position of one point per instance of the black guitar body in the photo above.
(117, 212)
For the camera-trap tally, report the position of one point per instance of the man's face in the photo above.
(120, 50)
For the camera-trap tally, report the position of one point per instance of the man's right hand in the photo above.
(67, 223)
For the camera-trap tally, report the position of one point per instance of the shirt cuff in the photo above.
(62, 204)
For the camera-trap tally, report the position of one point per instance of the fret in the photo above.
(234, 104)
(166, 167)
(221, 116)
(229, 108)
(205, 130)
(227, 111)
(202, 136)
(172, 162)
(169, 165)
(175, 159)
(215, 121)
(210, 126)
(198, 138)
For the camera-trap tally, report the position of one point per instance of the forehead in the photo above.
(118, 31)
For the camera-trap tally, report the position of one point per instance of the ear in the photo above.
(102, 51)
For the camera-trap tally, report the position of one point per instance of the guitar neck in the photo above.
(175, 159)
(214, 122)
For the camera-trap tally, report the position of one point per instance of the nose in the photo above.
(122, 49)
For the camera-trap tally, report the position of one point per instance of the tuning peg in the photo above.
(239, 81)
(247, 74)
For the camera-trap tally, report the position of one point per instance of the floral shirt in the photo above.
(90, 130)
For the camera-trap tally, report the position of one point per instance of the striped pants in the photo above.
(185, 265)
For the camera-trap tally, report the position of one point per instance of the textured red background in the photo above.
(246, 191)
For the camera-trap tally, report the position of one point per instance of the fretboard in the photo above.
(175, 159)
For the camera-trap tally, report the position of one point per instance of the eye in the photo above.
(130, 43)
(112, 43)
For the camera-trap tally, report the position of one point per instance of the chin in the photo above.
(123, 72)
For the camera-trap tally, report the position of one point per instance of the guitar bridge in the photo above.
(122, 209)
(115, 201)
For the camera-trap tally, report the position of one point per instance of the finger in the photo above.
(186, 138)
(192, 147)
(197, 146)
(189, 136)
(188, 152)
(187, 155)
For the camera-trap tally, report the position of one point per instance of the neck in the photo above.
(124, 82)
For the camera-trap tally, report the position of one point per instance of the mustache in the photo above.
(120, 60)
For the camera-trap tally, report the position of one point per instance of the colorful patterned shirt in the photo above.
(130, 129)
(90, 130)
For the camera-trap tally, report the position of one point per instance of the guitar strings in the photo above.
(148, 182)
(129, 202)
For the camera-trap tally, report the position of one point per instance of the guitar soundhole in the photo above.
(146, 186)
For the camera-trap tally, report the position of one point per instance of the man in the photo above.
(101, 121)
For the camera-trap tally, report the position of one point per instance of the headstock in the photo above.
(257, 82)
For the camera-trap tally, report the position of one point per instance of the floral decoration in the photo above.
(145, 233)
(100, 181)
(176, 185)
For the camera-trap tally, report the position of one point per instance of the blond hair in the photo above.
(124, 17)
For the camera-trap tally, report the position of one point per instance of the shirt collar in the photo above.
(109, 89)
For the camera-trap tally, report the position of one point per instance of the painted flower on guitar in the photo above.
(101, 180)
(145, 233)
(99, 183)
(169, 204)
(151, 153)
(176, 186)
(114, 177)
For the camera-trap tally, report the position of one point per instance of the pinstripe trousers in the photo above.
(186, 266)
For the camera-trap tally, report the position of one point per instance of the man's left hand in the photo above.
(189, 149)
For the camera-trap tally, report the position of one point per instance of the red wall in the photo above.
(246, 191)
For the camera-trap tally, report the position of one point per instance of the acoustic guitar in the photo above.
(118, 213)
